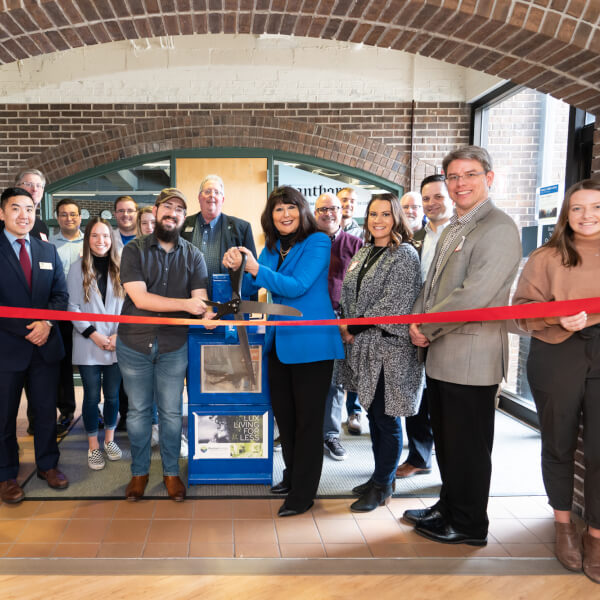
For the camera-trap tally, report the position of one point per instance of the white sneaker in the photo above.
(96, 460)
(154, 440)
(113, 452)
(183, 453)
(354, 424)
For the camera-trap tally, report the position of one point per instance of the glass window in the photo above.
(97, 195)
(526, 135)
(312, 181)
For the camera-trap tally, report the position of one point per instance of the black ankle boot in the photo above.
(361, 489)
(376, 495)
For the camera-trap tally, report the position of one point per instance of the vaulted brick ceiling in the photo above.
(550, 45)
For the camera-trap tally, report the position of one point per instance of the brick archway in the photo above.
(165, 134)
(549, 45)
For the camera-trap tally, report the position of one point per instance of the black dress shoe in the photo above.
(281, 489)
(284, 511)
(441, 531)
(376, 495)
(422, 515)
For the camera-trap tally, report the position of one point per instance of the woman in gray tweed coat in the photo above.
(383, 278)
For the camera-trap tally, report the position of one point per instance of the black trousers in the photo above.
(298, 394)
(565, 382)
(65, 401)
(42, 381)
(420, 436)
(462, 419)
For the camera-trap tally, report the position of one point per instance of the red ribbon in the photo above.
(495, 313)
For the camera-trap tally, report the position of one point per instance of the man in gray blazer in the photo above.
(475, 262)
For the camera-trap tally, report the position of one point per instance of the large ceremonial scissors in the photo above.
(237, 306)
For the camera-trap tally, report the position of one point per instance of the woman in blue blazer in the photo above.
(293, 267)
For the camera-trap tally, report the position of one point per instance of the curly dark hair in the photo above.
(287, 195)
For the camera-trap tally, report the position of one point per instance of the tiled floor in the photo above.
(519, 527)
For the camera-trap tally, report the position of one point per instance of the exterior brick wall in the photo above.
(63, 139)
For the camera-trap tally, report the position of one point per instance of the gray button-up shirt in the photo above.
(171, 274)
(69, 251)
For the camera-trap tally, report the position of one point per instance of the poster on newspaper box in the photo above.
(231, 436)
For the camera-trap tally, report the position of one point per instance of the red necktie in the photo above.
(25, 262)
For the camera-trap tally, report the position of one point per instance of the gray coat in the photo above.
(390, 287)
(85, 352)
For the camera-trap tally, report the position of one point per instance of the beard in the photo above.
(169, 236)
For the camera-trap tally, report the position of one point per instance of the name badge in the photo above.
(43, 237)
(46, 266)
(188, 229)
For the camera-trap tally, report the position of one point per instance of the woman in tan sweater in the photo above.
(563, 368)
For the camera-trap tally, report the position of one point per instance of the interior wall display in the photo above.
(222, 370)
(231, 436)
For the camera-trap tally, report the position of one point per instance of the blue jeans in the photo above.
(332, 424)
(94, 377)
(149, 377)
(386, 437)
(352, 403)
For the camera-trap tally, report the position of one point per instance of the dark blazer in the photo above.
(234, 232)
(49, 290)
(418, 239)
(39, 227)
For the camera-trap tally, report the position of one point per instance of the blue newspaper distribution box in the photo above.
(230, 421)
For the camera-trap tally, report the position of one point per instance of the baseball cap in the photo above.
(169, 193)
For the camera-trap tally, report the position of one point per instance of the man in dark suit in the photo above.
(437, 207)
(34, 182)
(214, 232)
(30, 352)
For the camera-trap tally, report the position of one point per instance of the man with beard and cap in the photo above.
(163, 275)
(328, 212)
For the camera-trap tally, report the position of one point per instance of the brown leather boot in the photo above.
(175, 487)
(136, 487)
(568, 546)
(591, 557)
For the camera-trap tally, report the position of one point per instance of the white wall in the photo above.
(236, 68)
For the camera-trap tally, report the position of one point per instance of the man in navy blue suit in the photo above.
(30, 351)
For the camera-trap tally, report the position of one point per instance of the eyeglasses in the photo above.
(179, 210)
(31, 185)
(126, 211)
(323, 210)
(72, 215)
(211, 192)
(467, 177)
